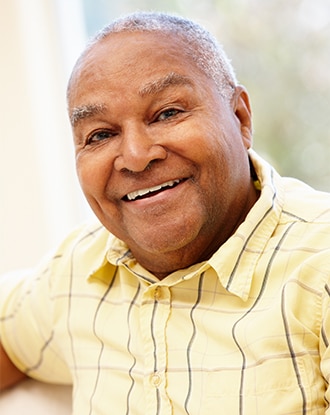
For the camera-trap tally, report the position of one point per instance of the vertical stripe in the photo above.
(153, 334)
(261, 221)
(100, 341)
(323, 332)
(327, 289)
(324, 337)
(290, 344)
(262, 289)
(155, 351)
(292, 354)
(71, 276)
(129, 348)
(200, 284)
(232, 275)
(158, 401)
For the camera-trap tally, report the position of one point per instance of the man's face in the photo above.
(161, 157)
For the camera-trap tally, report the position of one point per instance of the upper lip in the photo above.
(144, 191)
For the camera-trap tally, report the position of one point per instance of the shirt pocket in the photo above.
(273, 387)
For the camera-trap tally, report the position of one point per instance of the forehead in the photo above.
(131, 59)
(125, 47)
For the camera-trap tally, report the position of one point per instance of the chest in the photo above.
(194, 347)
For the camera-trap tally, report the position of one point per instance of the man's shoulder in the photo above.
(305, 202)
(84, 248)
(91, 235)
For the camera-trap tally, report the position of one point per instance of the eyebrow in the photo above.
(158, 85)
(151, 88)
(86, 111)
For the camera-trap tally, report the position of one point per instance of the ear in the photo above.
(242, 110)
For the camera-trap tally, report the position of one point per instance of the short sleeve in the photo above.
(26, 325)
(324, 342)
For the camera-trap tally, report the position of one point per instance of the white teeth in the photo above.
(142, 192)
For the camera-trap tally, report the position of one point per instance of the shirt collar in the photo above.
(101, 269)
(236, 260)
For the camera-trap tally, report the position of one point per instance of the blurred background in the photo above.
(281, 52)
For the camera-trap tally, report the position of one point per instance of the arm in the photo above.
(9, 374)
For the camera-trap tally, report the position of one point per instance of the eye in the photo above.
(169, 113)
(99, 136)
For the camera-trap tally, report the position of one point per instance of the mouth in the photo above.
(151, 191)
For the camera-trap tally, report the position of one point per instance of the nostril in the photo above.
(138, 157)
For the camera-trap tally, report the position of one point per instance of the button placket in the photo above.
(154, 316)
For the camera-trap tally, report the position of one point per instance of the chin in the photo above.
(164, 243)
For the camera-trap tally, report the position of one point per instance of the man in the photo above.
(206, 288)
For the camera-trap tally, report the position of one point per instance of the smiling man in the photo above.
(205, 286)
(152, 186)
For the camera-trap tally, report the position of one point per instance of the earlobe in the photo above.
(242, 109)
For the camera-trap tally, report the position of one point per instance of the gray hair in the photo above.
(201, 46)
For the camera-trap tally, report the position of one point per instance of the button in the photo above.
(156, 380)
(158, 294)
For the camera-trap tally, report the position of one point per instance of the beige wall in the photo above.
(39, 196)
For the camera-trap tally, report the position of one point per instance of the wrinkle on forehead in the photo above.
(158, 85)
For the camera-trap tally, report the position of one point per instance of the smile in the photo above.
(138, 194)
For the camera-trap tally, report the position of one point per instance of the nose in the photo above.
(138, 150)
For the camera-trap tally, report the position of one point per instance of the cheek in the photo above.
(92, 174)
(94, 178)
(225, 162)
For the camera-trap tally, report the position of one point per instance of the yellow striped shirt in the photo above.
(244, 333)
